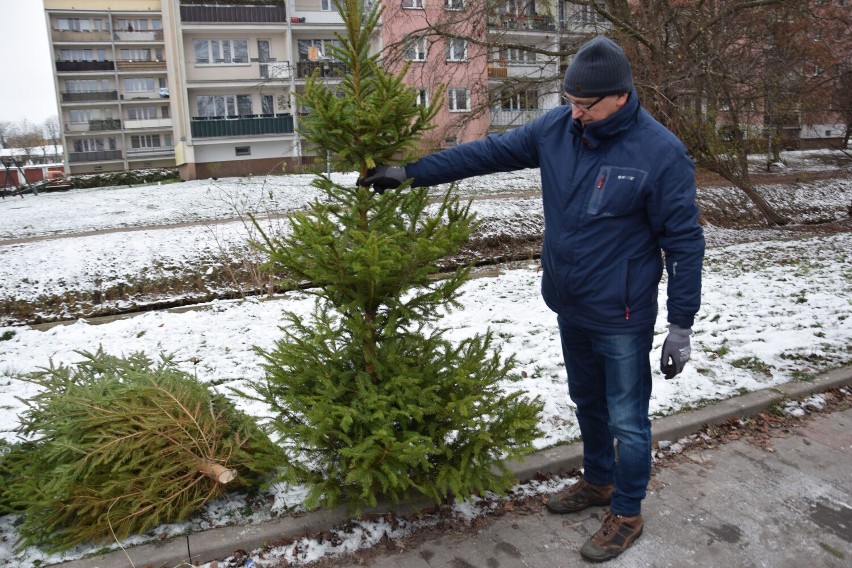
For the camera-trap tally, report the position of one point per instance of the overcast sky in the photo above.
(27, 87)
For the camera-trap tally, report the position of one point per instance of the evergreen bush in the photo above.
(117, 446)
(369, 397)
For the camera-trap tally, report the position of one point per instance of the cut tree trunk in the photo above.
(216, 472)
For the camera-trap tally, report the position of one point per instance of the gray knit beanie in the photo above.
(598, 69)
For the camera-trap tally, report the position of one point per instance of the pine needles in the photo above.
(118, 446)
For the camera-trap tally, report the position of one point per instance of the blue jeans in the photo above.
(609, 379)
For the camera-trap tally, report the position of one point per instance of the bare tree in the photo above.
(26, 137)
(51, 133)
(6, 128)
(727, 75)
(730, 77)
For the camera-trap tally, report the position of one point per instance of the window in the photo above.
(453, 4)
(87, 86)
(89, 145)
(517, 55)
(136, 54)
(72, 24)
(326, 5)
(145, 141)
(458, 99)
(416, 48)
(522, 100)
(124, 25)
(244, 105)
(242, 150)
(139, 85)
(418, 4)
(79, 116)
(141, 113)
(223, 105)
(456, 49)
(82, 55)
(267, 104)
(422, 97)
(220, 51)
(316, 49)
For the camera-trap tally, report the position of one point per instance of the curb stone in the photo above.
(220, 543)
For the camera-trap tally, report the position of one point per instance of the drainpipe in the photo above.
(294, 110)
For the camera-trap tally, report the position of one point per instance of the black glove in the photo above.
(676, 350)
(383, 178)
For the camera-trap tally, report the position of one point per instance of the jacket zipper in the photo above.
(601, 181)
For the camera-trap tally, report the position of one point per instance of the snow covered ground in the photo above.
(776, 305)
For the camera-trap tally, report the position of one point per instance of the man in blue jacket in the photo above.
(618, 189)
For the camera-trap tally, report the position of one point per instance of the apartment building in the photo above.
(209, 85)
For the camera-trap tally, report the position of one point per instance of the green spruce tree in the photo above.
(370, 399)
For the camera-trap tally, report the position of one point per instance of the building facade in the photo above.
(209, 86)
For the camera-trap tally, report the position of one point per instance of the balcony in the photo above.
(329, 69)
(149, 36)
(304, 18)
(102, 156)
(148, 123)
(522, 22)
(91, 96)
(228, 14)
(513, 118)
(85, 66)
(497, 72)
(97, 124)
(79, 36)
(145, 153)
(141, 65)
(204, 127)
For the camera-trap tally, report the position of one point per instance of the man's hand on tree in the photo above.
(382, 178)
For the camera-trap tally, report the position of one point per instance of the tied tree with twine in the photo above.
(370, 399)
(117, 446)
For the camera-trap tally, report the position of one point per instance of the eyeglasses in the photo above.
(585, 107)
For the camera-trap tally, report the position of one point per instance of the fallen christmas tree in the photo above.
(117, 446)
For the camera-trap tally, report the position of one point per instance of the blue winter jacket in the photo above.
(615, 192)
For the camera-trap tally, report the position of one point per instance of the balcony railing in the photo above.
(305, 17)
(148, 123)
(330, 69)
(143, 153)
(254, 13)
(205, 127)
(141, 65)
(79, 36)
(85, 65)
(128, 35)
(514, 118)
(498, 72)
(104, 124)
(102, 156)
(90, 96)
(522, 22)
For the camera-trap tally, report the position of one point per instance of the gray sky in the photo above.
(26, 88)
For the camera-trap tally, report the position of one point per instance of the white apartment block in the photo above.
(208, 85)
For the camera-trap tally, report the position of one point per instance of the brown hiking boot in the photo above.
(614, 537)
(580, 496)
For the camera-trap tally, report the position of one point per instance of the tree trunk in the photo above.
(744, 183)
(216, 472)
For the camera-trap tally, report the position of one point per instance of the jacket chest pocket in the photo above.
(616, 191)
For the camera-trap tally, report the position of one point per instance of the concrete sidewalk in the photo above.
(737, 506)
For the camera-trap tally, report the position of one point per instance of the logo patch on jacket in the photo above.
(616, 191)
